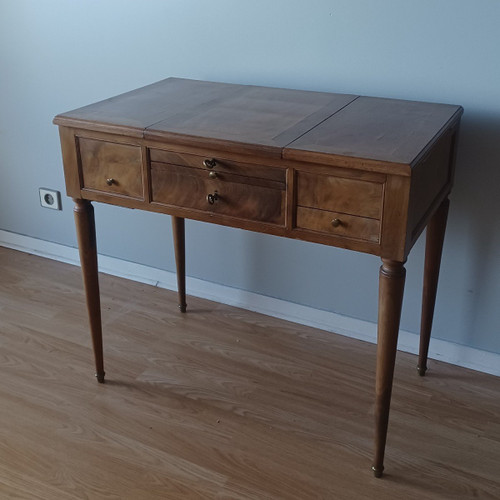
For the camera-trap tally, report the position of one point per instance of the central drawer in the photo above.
(218, 186)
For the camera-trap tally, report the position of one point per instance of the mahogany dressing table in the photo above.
(361, 173)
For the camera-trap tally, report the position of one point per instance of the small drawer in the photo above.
(338, 224)
(338, 194)
(226, 194)
(218, 165)
(111, 167)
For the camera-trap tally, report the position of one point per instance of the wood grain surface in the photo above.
(236, 195)
(111, 167)
(394, 131)
(219, 403)
(338, 194)
(387, 135)
(338, 223)
(197, 109)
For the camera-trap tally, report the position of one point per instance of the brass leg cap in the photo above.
(421, 370)
(183, 308)
(377, 472)
(100, 377)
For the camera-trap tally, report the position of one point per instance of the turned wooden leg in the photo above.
(391, 287)
(85, 230)
(180, 259)
(433, 250)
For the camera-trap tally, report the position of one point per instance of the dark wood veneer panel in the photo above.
(338, 194)
(272, 117)
(386, 130)
(237, 196)
(429, 178)
(120, 163)
(349, 226)
(222, 165)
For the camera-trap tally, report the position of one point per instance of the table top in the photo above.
(386, 135)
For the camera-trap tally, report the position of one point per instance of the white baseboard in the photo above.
(441, 350)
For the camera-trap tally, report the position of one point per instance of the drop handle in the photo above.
(336, 222)
(110, 181)
(212, 198)
(212, 175)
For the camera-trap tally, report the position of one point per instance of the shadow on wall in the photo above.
(474, 233)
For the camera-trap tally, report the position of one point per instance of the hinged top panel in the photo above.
(392, 134)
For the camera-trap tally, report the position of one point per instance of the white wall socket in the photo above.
(50, 198)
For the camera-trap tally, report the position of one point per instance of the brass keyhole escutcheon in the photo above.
(212, 198)
(212, 175)
(110, 181)
(209, 163)
(336, 222)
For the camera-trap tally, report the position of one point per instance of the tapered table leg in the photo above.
(391, 288)
(85, 230)
(180, 259)
(433, 249)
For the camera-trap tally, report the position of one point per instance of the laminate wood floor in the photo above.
(218, 403)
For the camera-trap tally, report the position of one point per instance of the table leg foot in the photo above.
(100, 377)
(378, 472)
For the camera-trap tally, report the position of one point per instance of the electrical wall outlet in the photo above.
(50, 199)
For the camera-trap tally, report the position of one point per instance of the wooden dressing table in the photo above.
(361, 173)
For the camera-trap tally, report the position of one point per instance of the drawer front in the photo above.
(218, 165)
(338, 224)
(111, 167)
(225, 194)
(338, 194)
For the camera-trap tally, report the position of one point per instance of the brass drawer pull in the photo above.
(336, 222)
(212, 175)
(110, 182)
(212, 198)
(209, 163)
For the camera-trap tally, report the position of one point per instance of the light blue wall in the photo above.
(56, 55)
